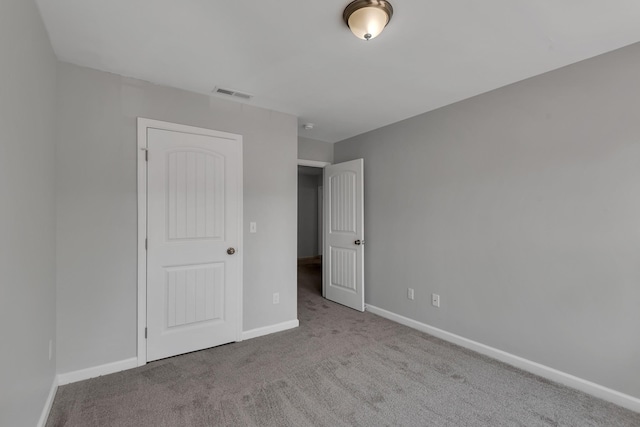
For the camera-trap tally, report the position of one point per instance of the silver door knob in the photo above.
(231, 251)
(359, 242)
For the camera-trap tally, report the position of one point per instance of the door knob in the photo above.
(359, 242)
(231, 251)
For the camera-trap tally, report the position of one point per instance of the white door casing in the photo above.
(343, 258)
(320, 220)
(194, 214)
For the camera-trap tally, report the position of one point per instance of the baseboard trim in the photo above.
(552, 374)
(266, 330)
(97, 371)
(123, 365)
(48, 404)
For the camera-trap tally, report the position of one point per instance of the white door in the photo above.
(343, 257)
(194, 196)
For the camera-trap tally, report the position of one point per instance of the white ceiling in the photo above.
(297, 56)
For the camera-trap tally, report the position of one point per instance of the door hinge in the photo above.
(146, 245)
(146, 155)
(145, 333)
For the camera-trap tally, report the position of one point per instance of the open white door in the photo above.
(343, 257)
(194, 193)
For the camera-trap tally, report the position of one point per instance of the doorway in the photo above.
(309, 214)
(310, 225)
(340, 215)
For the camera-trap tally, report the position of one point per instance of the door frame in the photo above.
(312, 163)
(143, 125)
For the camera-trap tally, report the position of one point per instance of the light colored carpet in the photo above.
(339, 368)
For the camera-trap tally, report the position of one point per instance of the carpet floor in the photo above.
(339, 368)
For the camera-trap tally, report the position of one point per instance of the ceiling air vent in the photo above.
(231, 92)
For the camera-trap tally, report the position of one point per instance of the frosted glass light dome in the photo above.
(367, 23)
(367, 18)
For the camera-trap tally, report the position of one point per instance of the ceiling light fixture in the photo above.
(367, 18)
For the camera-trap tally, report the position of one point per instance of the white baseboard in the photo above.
(266, 330)
(48, 403)
(97, 371)
(552, 374)
(122, 365)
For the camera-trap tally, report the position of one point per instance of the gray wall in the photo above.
(521, 208)
(96, 188)
(311, 149)
(27, 213)
(308, 181)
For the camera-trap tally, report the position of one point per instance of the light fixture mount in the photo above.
(367, 18)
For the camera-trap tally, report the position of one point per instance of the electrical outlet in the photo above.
(50, 349)
(435, 300)
(253, 227)
(410, 293)
(276, 298)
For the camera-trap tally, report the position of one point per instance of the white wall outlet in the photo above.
(410, 293)
(50, 349)
(435, 300)
(276, 298)
(253, 227)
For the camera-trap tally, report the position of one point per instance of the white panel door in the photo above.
(193, 264)
(343, 257)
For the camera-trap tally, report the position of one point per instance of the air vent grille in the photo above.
(242, 95)
(231, 92)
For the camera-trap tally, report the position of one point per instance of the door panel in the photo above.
(344, 233)
(343, 202)
(193, 217)
(195, 294)
(195, 207)
(343, 272)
